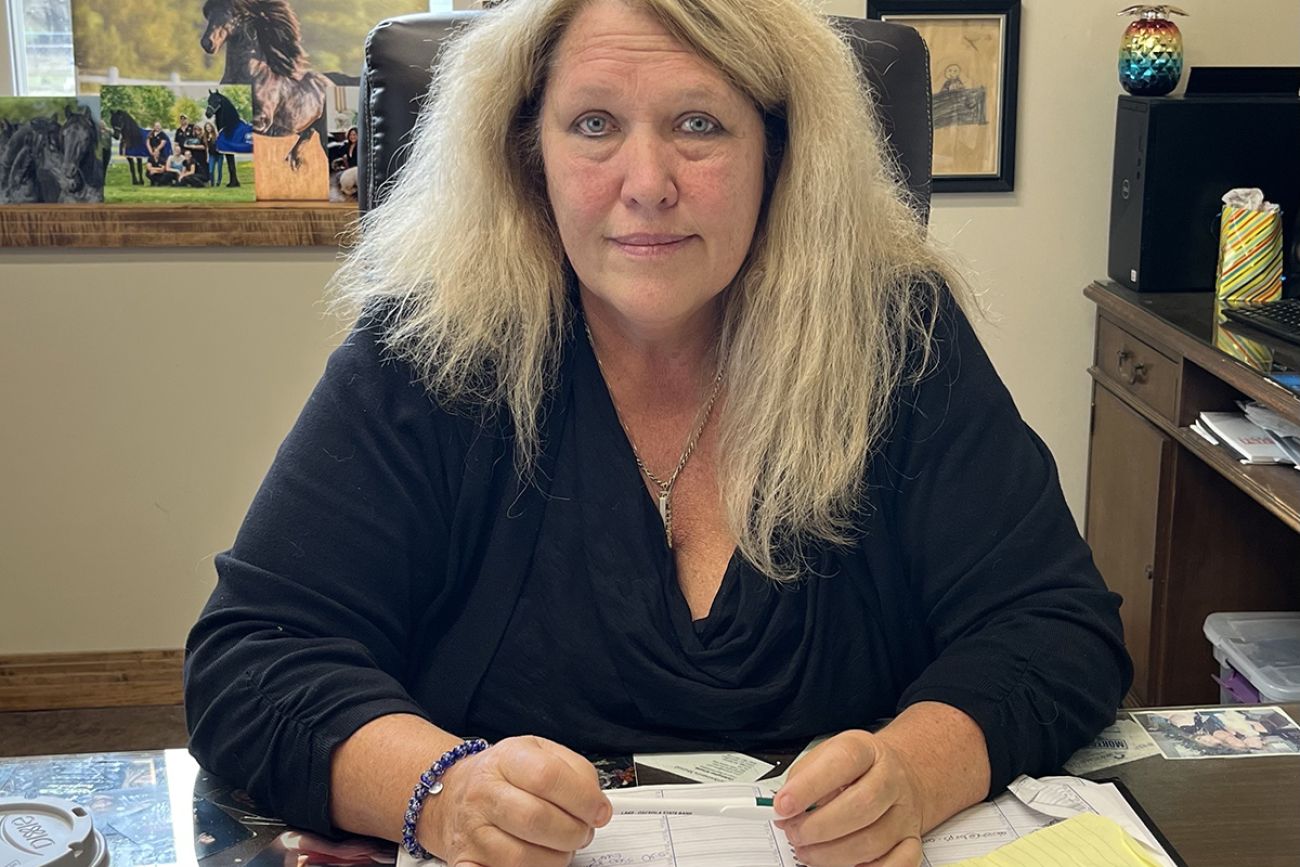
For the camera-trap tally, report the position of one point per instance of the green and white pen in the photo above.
(633, 803)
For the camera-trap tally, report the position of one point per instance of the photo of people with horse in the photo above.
(185, 144)
(292, 53)
(50, 151)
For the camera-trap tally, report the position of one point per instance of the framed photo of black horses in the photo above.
(974, 63)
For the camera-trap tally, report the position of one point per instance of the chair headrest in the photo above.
(400, 53)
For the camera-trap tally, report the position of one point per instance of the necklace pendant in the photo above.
(666, 517)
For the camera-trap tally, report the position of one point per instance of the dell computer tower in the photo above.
(1174, 160)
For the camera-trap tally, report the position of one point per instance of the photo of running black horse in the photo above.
(234, 134)
(263, 38)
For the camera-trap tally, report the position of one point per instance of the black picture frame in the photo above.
(952, 103)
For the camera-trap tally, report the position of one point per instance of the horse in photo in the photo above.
(288, 97)
(18, 165)
(234, 134)
(133, 143)
(73, 158)
(26, 174)
(230, 25)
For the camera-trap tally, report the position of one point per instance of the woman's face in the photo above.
(654, 166)
(352, 136)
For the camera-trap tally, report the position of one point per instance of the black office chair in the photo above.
(400, 53)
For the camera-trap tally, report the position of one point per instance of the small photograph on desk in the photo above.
(1222, 732)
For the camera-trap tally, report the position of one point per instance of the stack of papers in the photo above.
(1287, 433)
(1252, 443)
(1086, 840)
(1028, 806)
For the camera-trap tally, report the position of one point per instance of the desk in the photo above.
(1222, 812)
(1177, 526)
(1216, 813)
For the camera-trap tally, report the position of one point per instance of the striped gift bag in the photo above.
(1250, 249)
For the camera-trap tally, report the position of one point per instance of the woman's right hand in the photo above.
(524, 802)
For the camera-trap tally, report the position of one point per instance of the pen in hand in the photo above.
(633, 803)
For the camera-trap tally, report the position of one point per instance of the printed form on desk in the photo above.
(699, 841)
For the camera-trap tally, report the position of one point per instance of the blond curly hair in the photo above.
(841, 281)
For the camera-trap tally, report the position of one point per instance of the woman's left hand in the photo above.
(870, 806)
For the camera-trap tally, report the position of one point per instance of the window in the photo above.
(40, 33)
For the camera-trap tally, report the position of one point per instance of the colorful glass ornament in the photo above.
(1151, 53)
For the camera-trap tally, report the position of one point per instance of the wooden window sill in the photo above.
(246, 224)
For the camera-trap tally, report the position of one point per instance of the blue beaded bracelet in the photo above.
(431, 784)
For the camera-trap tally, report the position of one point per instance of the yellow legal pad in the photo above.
(1085, 840)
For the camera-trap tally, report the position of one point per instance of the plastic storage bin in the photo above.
(1259, 655)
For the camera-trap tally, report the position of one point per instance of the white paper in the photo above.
(1203, 433)
(1121, 742)
(1269, 419)
(706, 841)
(1063, 797)
(707, 767)
(668, 841)
(987, 826)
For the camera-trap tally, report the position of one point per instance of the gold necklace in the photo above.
(665, 488)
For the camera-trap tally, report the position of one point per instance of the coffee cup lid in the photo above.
(49, 832)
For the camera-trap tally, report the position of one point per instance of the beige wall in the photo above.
(143, 396)
(144, 393)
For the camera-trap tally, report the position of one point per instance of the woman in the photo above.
(196, 148)
(189, 175)
(347, 158)
(214, 157)
(661, 431)
(168, 172)
(159, 145)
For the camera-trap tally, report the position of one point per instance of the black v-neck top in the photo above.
(603, 631)
(394, 562)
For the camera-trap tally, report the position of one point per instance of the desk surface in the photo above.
(1220, 812)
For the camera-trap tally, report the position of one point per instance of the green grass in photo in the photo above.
(118, 188)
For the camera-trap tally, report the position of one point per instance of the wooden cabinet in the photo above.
(1178, 527)
(1124, 506)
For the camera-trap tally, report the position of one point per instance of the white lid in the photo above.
(49, 832)
(1264, 646)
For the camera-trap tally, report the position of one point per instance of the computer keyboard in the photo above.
(1279, 318)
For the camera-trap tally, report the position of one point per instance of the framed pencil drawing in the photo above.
(974, 61)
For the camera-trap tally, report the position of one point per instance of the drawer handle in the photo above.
(1137, 373)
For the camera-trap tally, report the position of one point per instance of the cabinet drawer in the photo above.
(1137, 367)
